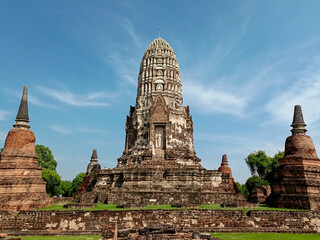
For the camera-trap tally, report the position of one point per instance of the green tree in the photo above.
(53, 182)
(261, 164)
(46, 159)
(66, 187)
(261, 167)
(255, 181)
(76, 182)
(275, 160)
(243, 189)
(274, 165)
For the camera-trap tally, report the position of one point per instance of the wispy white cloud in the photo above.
(3, 114)
(60, 129)
(36, 101)
(130, 29)
(243, 145)
(122, 56)
(276, 81)
(305, 91)
(67, 97)
(208, 99)
(67, 130)
(213, 92)
(32, 97)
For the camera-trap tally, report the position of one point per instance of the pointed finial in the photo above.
(94, 156)
(22, 118)
(224, 160)
(159, 32)
(298, 125)
(93, 165)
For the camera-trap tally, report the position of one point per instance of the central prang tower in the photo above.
(159, 164)
(159, 127)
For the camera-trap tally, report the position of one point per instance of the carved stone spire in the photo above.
(93, 165)
(22, 118)
(159, 74)
(94, 157)
(224, 159)
(298, 125)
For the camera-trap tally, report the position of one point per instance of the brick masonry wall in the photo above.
(61, 199)
(90, 222)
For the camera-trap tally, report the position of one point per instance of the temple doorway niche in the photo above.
(159, 137)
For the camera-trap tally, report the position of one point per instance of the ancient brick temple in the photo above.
(159, 164)
(297, 180)
(21, 183)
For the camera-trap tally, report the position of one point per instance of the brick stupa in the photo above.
(226, 169)
(93, 165)
(21, 183)
(296, 182)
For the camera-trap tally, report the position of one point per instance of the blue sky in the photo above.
(244, 65)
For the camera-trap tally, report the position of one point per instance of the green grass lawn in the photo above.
(113, 207)
(98, 206)
(266, 236)
(93, 237)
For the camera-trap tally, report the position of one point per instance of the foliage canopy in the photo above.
(46, 159)
(243, 189)
(76, 182)
(255, 181)
(261, 164)
(66, 187)
(53, 180)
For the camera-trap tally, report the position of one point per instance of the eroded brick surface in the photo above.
(21, 183)
(296, 182)
(159, 164)
(91, 222)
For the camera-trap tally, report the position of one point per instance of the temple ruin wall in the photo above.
(89, 222)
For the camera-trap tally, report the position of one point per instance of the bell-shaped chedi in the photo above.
(296, 182)
(226, 169)
(89, 180)
(21, 183)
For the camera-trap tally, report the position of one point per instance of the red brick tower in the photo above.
(226, 169)
(296, 182)
(21, 183)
